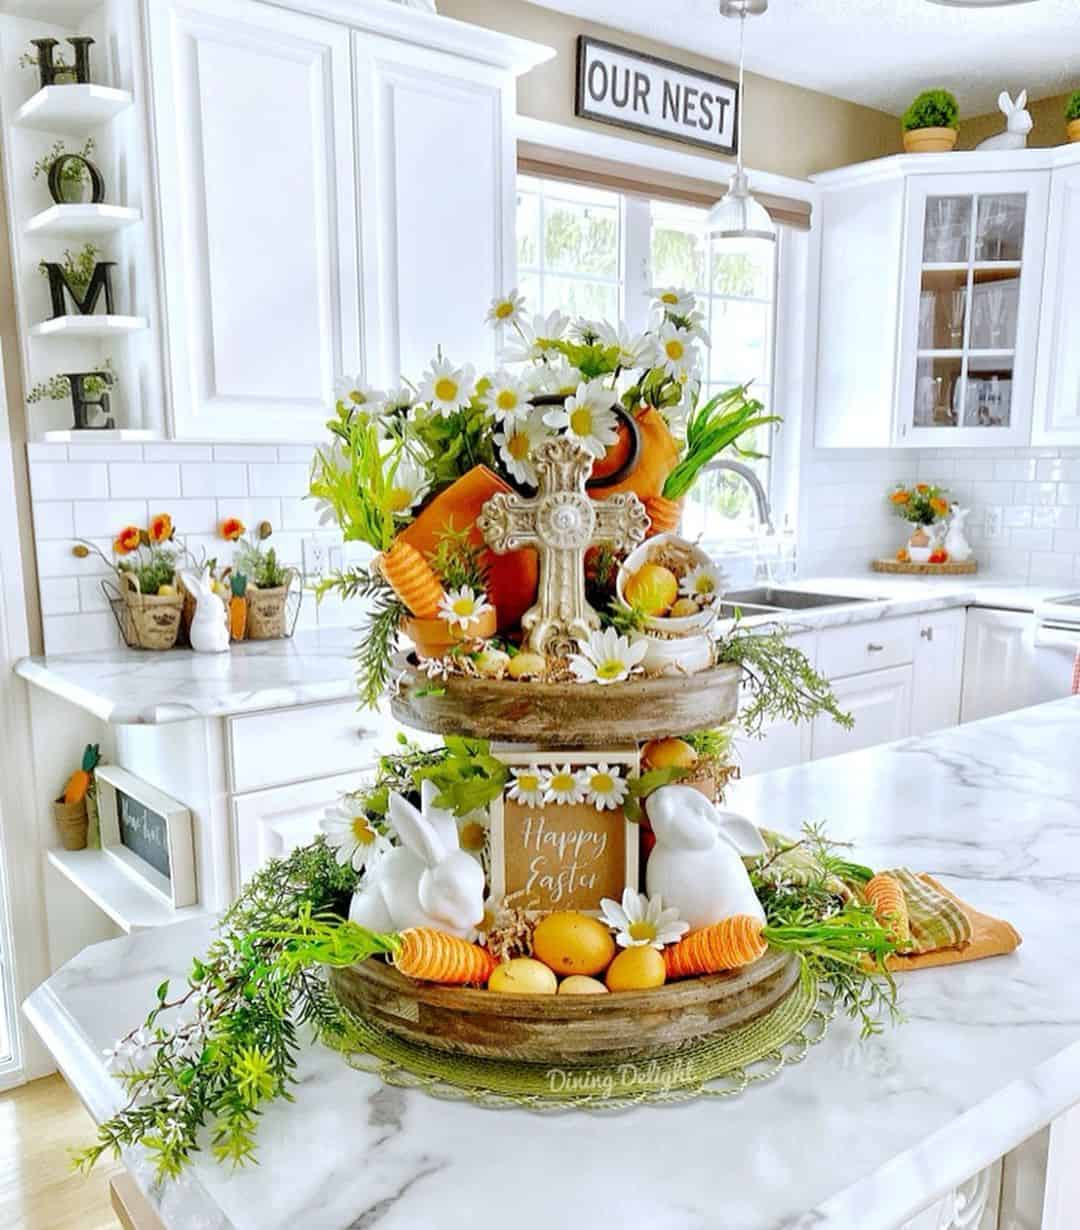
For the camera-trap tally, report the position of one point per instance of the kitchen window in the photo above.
(587, 251)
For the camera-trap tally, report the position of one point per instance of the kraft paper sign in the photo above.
(555, 856)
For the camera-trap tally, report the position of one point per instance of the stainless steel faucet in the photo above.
(761, 496)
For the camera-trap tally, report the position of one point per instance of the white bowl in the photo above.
(684, 655)
(684, 625)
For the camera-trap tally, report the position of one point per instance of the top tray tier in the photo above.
(566, 714)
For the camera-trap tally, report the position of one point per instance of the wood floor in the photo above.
(39, 1123)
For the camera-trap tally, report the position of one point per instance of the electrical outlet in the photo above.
(314, 557)
(994, 525)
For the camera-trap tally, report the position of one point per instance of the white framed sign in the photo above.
(551, 855)
(148, 833)
(632, 90)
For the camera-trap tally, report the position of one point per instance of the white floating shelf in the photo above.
(130, 904)
(72, 107)
(89, 326)
(79, 221)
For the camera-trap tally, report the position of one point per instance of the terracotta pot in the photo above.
(659, 456)
(72, 823)
(434, 638)
(929, 140)
(616, 456)
(1072, 130)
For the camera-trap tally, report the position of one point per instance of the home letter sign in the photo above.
(633, 90)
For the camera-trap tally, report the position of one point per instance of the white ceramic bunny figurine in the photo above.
(696, 864)
(956, 542)
(209, 629)
(427, 881)
(1018, 123)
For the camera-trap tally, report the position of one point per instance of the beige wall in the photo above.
(1048, 115)
(789, 130)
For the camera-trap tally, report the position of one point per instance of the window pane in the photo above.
(743, 267)
(740, 342)
(594, 300)
(529, 288)
(528, 229)
(581, 238)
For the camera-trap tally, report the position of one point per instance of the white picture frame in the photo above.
(178, 888)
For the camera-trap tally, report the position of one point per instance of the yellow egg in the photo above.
(166, 591)
(573, 943)
(523, 976)
(669, 754)
(652, 589)
(525, 664)
(636, 969)
(578, 984)
(682, 608)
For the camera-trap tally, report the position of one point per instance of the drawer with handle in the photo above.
(858, 648)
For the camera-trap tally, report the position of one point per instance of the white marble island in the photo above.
(861, 1134)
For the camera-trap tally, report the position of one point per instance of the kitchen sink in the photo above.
(727, 610)
(785, 599)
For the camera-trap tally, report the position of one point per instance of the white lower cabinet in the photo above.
(880, 703)
(999, 664)
(938, 671)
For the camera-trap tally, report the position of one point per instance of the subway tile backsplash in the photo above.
(92, 490)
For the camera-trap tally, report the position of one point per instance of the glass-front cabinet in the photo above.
(973, 268)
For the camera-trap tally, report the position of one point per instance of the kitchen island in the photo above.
(861, 1134)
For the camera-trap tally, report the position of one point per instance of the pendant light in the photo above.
(738, 215)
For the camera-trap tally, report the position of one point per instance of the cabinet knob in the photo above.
(927, 634)
(874, 648)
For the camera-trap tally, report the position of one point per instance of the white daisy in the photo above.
(672, 301)
(472, 833)
(406, 486)
(507, 397)
(585, 331)
(641, 921)
(352, 393)
(563, 785)
(518, 442)
(635, 349)
(606, 657)
(695, 326)
(447, 388)
(538, 337)
(527, 786)
(706, 583)
(355, 841)
(588, 418)
(605, 786)
(463, 607)
(678, 355)
(401, 399)
(507, 310)
(554, 377)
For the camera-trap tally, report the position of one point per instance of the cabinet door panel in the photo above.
(257, 197)
(939, 672)
(880, 703)
(1057, 395)
(999, 664)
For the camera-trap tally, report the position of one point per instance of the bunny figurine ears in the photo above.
(1018, 123)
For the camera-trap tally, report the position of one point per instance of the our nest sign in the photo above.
(627, 88)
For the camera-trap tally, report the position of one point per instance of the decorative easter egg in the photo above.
(652, 589)
(526, 664)
(669, 754)
(573, 943)
(578, 984)
(523, 976)
(636, 969)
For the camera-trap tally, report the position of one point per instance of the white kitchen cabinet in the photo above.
(938, 671)
(999, 663)
(1057, 397)
(880, 703)
(257, 197)
(784, 743)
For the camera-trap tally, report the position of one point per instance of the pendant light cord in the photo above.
(742, 35)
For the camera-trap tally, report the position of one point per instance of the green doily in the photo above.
(721, 1066)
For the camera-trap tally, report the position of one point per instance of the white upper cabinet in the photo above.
(1057, 390)
(257, 195)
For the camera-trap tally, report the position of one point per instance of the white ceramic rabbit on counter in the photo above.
(427, 881)
(209, 629)
(1018, 123)
(956, 542)
(696, 864)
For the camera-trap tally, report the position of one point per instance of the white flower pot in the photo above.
(684, 655)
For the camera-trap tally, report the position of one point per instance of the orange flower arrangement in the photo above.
(161, 528)
(900, 497)
(128, 540)
(922, 504)
(232, 528)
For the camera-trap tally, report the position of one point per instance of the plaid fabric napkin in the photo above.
(937, 921)
(1076, 675)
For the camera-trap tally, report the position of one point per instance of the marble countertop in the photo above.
(131, 687)
(862, 1133)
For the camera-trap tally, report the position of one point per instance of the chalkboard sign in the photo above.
(148, 833)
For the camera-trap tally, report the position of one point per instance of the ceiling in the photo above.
(877, 52)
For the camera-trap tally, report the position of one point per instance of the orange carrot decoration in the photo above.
(664, 515)
(434, 956)
(410, 576)
(886, 897)
(731, 944)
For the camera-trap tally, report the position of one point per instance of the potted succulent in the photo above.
(74, 178)
(930, 123)
(1072, 116)
(266, 582)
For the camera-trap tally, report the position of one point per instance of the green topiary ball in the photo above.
(932, 109)
(1072, 107)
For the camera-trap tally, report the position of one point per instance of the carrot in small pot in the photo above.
(434, 956)
(411, 577)
(238, 607)
(886, 897)
(730, 944)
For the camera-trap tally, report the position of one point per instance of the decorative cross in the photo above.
(562, 522)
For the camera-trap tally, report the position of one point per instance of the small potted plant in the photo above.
(65, 72)
(58, 387)
(78, 267)
(74, 178)
(1072, 116)
(923, 505)
(930, 123)
(267, 581)
(71, 809)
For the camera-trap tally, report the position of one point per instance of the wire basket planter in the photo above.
(146, 621)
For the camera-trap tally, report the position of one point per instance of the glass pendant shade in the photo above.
(737, 215)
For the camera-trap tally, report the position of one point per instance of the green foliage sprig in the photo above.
(379, 630)
(1072, 107)
(711, 428)
(458, 562)
(58, 387)
(468, 776)
(354, 479)
(932, 109)
(454, 443)
(71, 172)
(714, 745)
(78, 267)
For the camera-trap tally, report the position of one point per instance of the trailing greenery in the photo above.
(783, 684)
(58, 387)
(1072, 107)
(70, 172)
(932, 109)
(378, 632)
(78, 267)
(710, 428)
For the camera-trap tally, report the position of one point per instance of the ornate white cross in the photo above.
(562, 522)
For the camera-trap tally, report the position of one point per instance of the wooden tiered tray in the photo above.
(564, 1028)
(565, 714)
(948, 569)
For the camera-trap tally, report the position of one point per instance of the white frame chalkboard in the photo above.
(178, 890)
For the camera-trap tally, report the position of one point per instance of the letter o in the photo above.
(97, 184)
(593, 93)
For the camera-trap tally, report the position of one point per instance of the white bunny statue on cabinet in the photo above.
(427, 881)
(209, 629)
(1018, 123)
(956, 542)
(696, 864)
